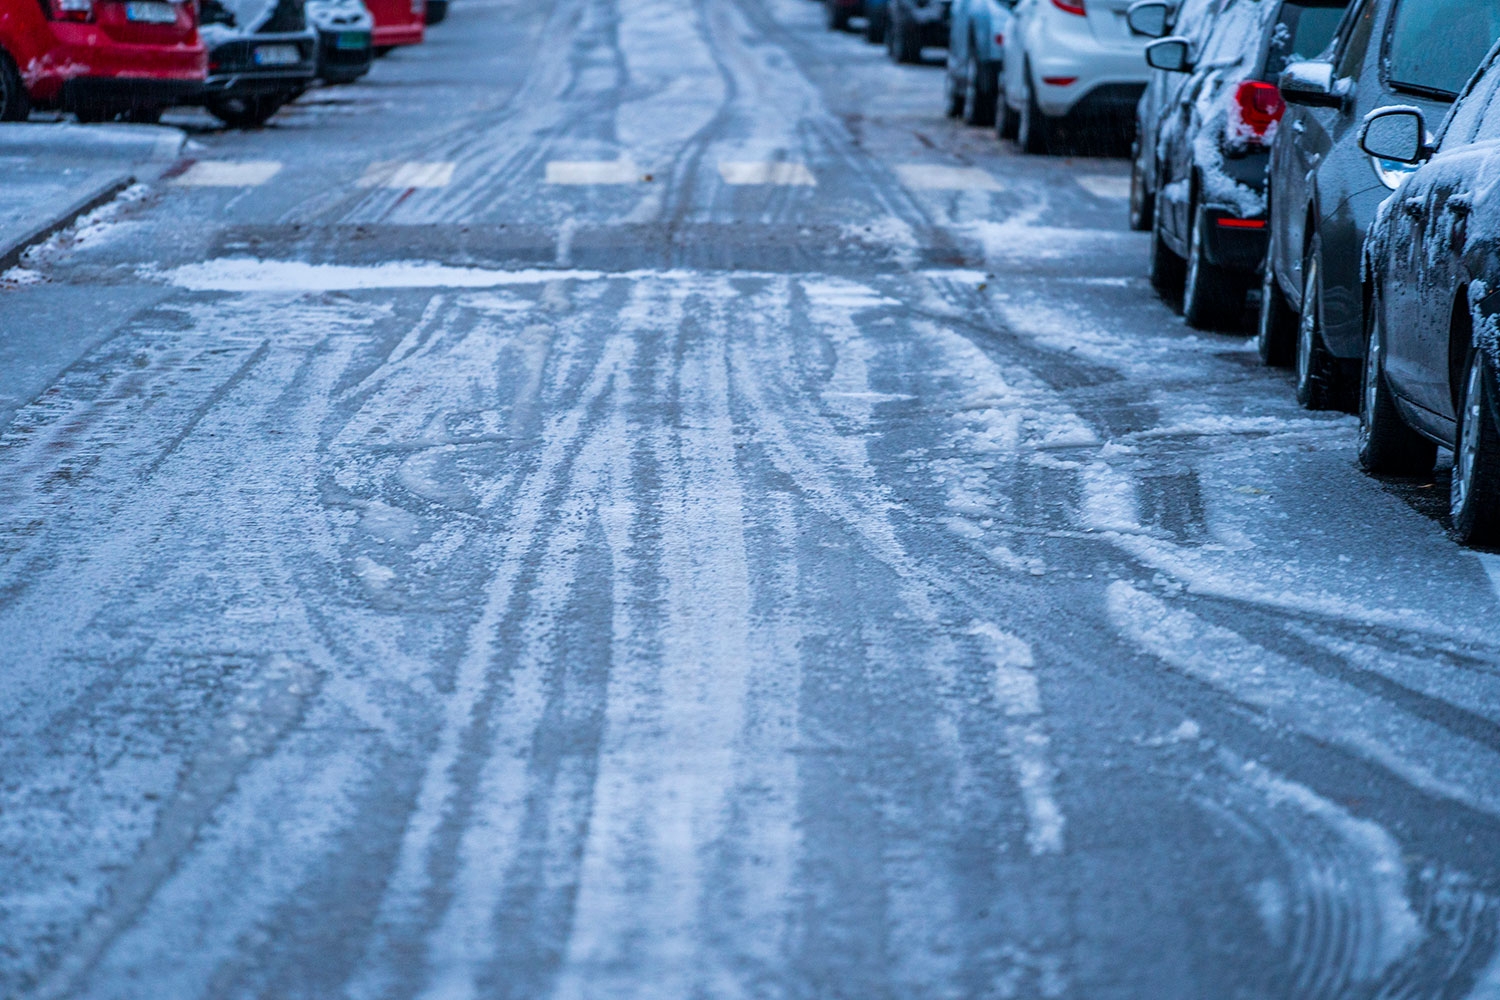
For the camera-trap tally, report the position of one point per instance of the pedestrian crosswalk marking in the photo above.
(397, 174)
(1107, 186)
(769, 172)
(593, 172)
(228, 173)
(932, 177)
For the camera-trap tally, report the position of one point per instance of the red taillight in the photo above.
(1070, 7)
(1059, 81)
(1242, 223)
(1261, 107)
(999, 39)
(72, 10)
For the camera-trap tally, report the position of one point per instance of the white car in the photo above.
(1070, 60)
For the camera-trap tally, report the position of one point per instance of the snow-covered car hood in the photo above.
(226, 20)
(339, 15)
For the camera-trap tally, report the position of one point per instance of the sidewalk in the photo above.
(52, 173)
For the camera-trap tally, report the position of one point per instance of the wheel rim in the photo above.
(1468, 439)
(1307, 327)
(1263, 326)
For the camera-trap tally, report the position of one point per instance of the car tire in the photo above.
(1276, 325)
(15, 104)
(1033, 129)
(1317, 371)
(381, 51)
(1474, 497)
(142, 116)
(244, 112)
(1167, 271)
(437, 12)
(902, 40)
(1212, 298)
(1142, 203)
(954, 88)
(979, 90)
(875, 27)
(836, 16)
(1387, 445)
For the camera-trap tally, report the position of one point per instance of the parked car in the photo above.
(397, 23)
(1153, 19)
(1324, 189)
(1069, 62)
(1432, 265)
(911, 25)
(346, 47)
(98, 58)
(1213, 147)
(261, 55)
(976, 47)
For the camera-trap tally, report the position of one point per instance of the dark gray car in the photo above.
(1324, 189)
(1433, 270)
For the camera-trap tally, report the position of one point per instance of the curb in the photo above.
(11, 252)
(63, 140)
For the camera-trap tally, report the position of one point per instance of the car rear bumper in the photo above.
(87, 55)
(232, 65)
(1105, 74)
(341, 65)
(1233, 242)
(386, 35)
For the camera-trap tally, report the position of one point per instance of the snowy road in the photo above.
(629, 502)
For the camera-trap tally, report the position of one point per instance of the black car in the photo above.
(260, 56)
(912, 24)
(345, 32)
(1212, 142)
(1324, 188)
(1433, 285)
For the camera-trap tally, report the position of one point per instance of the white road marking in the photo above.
(397, 174)
(1107, 186)
(767, 172)
(228, 173)
(932, 177)
(1021, 701)
(593, 172)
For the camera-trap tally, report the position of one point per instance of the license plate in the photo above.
(352, 40)
(277, 55)
(151, 12)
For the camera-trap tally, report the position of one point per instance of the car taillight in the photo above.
(1070, 7)
(72, 10)
(1261, 107)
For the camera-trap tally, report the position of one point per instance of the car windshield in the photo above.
(1305, 30)
(1435, 45)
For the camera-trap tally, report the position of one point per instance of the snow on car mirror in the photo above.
(1172, 55)
(1311, 84)
(1397, 134)
(1148, 18)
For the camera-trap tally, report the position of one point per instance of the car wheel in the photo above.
(836, 15)
(142, 116)
(979, 91)
(1317, 372)
(1033, 129)
(381, 51)
(244, 112)
(902, 40)
(437, 12)
(1276, 326)
(1142, 204)
(955, 88)
(1167, 271)
(1387, 446)
(875, 27)
(15, 105)
(1212, 298)
(1474, 498)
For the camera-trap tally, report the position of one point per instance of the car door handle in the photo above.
(1459, 206)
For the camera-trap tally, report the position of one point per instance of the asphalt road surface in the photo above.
(629, 502)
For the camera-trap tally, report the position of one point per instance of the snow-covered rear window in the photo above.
(1436, 45)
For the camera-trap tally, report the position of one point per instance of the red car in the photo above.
(99, 58)
(397, 22)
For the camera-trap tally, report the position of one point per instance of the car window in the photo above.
(1356, 40)
(1435, 45)
(1474, 117)
(1304, 32)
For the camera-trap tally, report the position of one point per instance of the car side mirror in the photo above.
(1397, 134)
(1172, 55)
(1312, 84)
(1148, 18)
